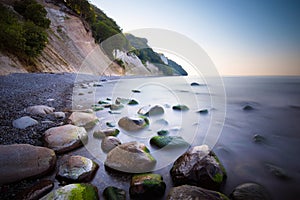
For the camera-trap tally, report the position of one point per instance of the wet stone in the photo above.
(199, 166)
(193, 192)
(136, 91)
(39, 110)
(111, 124)
(82, 191)
(151, 110)
(116, 106)
(195, 84)
(131, 157)
(203, 112)
(133, 123)
(110, 142)
(20, 161)
(114, 193)
(163, 132)
(59, 115)
(147, 186)
(106, 132)
(248, 108)
(133, 102)
(37, 191)
(24, 122)
(277, 171)
(250, 191)
(120, 100)
(180, 107)
(76, 169)
(170, 141)
(259, 139)
(65, 138)
(84, 119)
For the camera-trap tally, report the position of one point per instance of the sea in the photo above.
(251, 123)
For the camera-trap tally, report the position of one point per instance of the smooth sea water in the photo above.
(273, 162)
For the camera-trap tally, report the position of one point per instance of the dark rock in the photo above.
(114, 112)
(133, 124)
(39, 110)
(113, 193)
(250, 191)
(163, 132)
(132, 157)
(194, 193)
(136, 91)
(180, 107)
(24, 122)
(151, 111)
(82, 191)
(110, 142)
(103, 102)
(106, 132)
(37, 191)
(277, 171)
(133, 102)
(147, 186)
(259, 139)
(76, 169)
(248, 108)
(111, 124)
(20, 161)
(116, 106)
(199, 166)
(97, 108)
(84, 119)
(65, 138)
(203, 111)
(170, 141)
(195, 84)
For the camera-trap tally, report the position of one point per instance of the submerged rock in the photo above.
(110, 142)
(132, 157)
(259, 139)
(39, 110)
(65, 138)
(277, 171)
(116, 106)
(171, 141)
(114, 193)
(151, 111)
(180, 107)
(82, 191)
(133, 102)
(203, 111)
(136, 91)
(37, 191)
(24, 122)
(250, 191)
(106, 132)
(133, 124)
(193, 192)
(76, 169)
(199, 166)
(147, 186)
(111, 124)
(20, 161)
(163, 132)
(195, 84)
(248, 108)
(84, 119)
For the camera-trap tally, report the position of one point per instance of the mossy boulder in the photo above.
(180, 107)
(250, 191)
(76, 169)
(133, 123)
(193, 192)
(147, 186)
(114, 193)
(171, 141)
(121, 100)
(199, 166)
(106, 132)
(131, 157)
(75, 191)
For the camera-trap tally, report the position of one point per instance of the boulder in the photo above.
(180, 107)
(199, 166)
(250, 191)
(110, 142)
(113, 193)
(24, 122)
(193, 193)
(133, 123)
(151, 110)
(20, 161)
(132, 157)
(170, 141)
(76, 169)
(106, 132)
(39, 110)
(37, 191)
(120, 100)
(65, 138)
(82, 191)
(147, 186)
(59, 115)
(84, 119)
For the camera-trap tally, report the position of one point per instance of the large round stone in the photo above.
(199, 166)
(132, 157)
(74, 191)
(133, 123)
(76, 169)
(39, 110)
(65, 138)
(250, 191)
(84, 119)
(24, 122)
(20, 161)
(193, 192)
(151, 110)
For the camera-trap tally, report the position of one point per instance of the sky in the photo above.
(242, 37)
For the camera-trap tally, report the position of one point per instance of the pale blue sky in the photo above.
(242, 37)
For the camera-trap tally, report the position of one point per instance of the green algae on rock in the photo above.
(145, 186)
(162, 141)
(114, 193)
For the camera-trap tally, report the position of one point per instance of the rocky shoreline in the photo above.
(38, 128)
